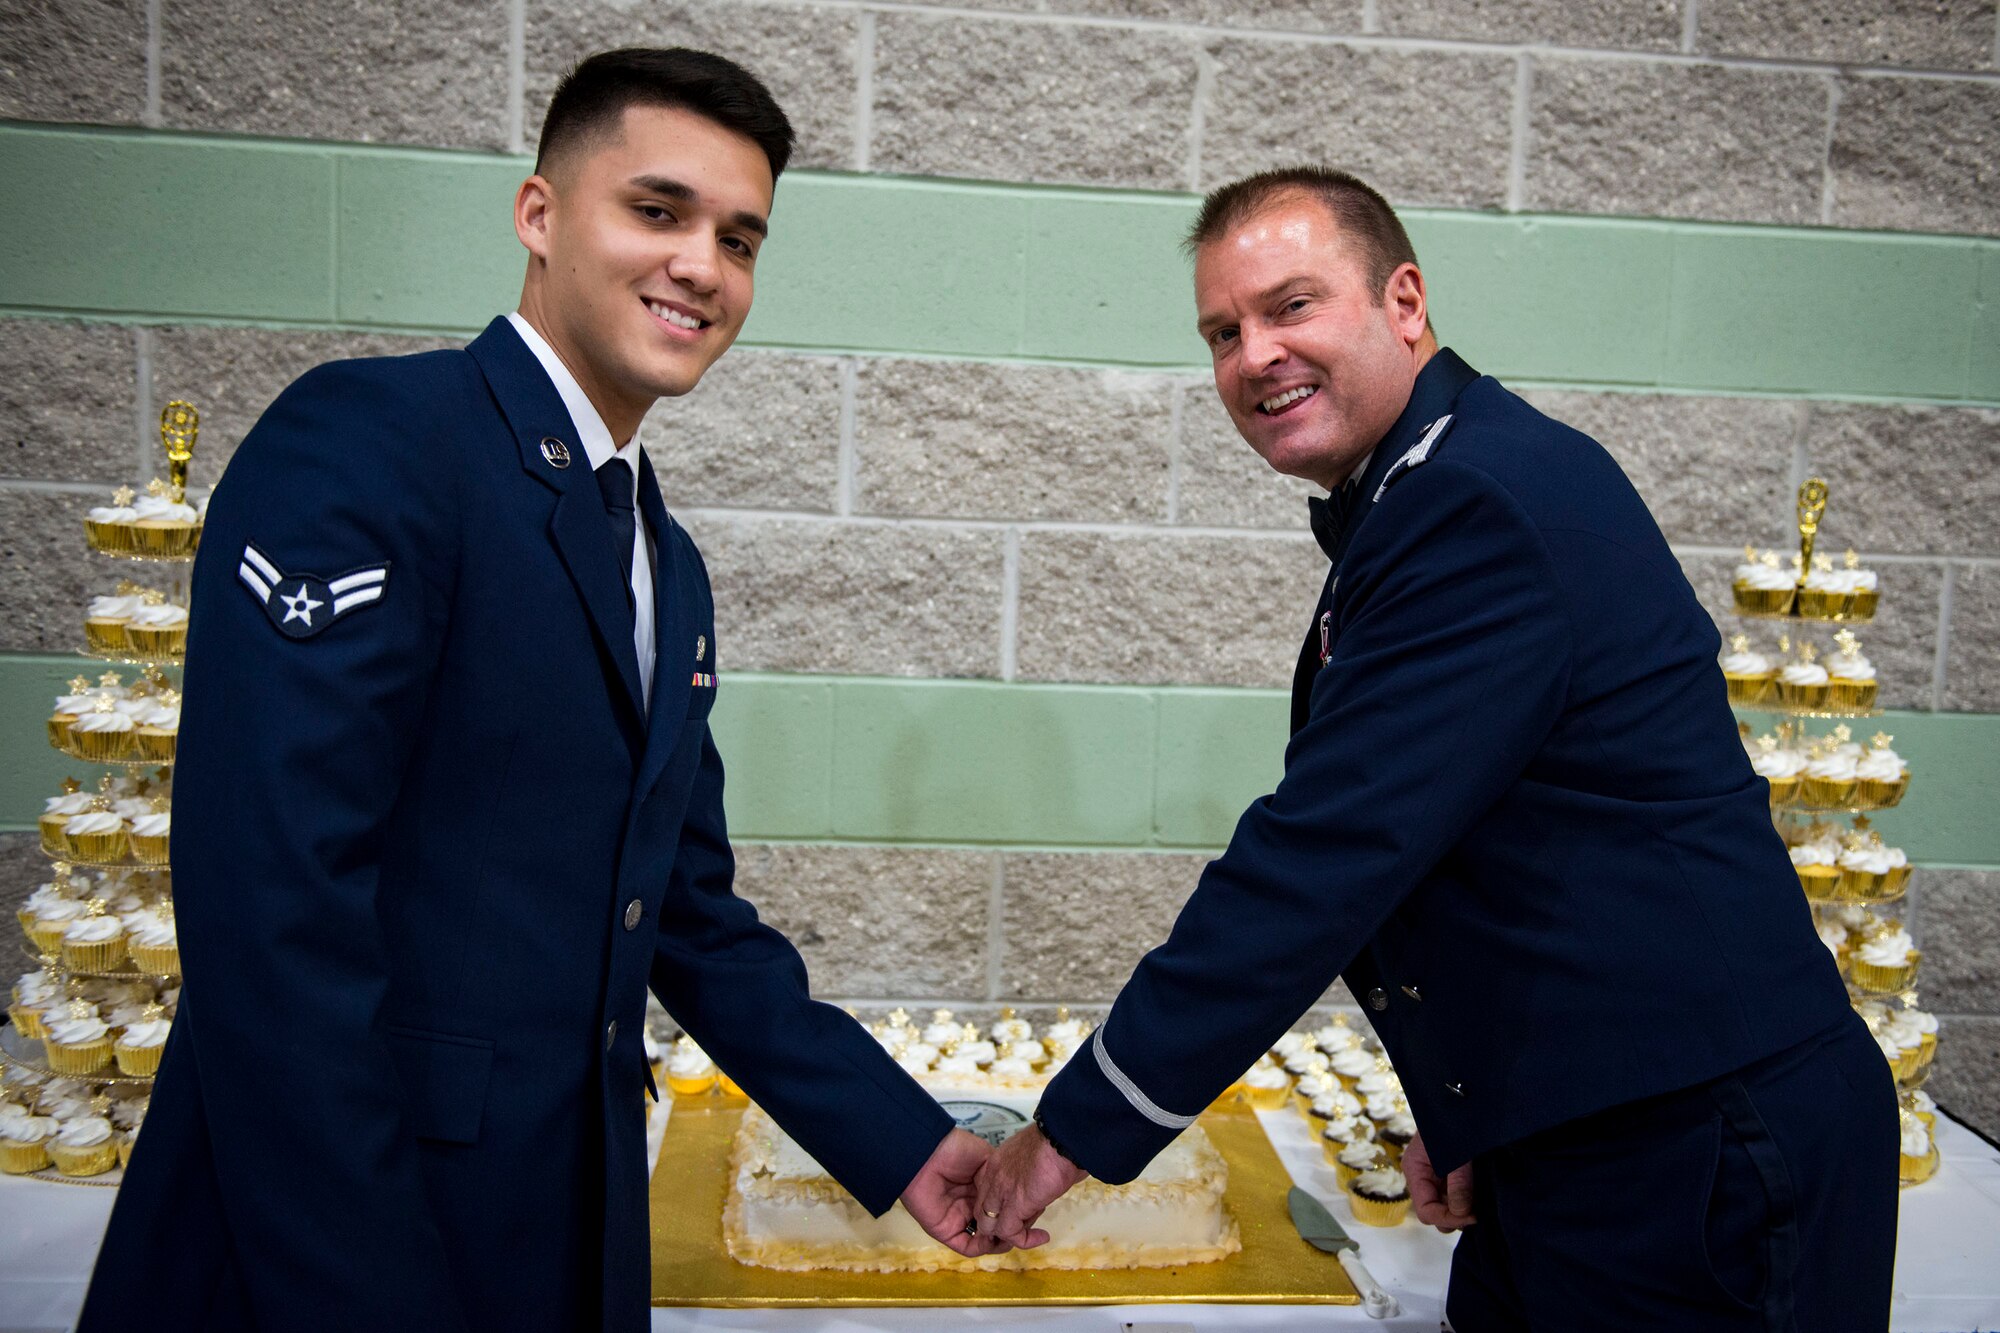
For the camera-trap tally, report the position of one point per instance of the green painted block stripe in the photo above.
(143, 226)
(987, 763)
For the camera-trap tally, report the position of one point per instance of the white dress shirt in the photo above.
(599, 449)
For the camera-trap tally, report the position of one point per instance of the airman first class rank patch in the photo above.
(301, 605)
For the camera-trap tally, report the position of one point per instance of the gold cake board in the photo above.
(692, 1267)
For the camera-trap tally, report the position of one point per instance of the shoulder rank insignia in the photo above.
(1419, 452)
(301, 605)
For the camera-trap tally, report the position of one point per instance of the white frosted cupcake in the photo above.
(24, 1140)
(1379, 1198)
(1803, 684)
(1816, 864)
(1287, 1046)
(139, 1046)
(94, 943)
(103, 735)
(1352, 1064)
(105, 619)
(1749, 674)
(1336, 1037)
(84, 1147)
(1850, 675)
(1919, 1156)
(158, 629)
(1265, 1087)
(164, 524)
(1761, 587)
(52, 922)
(148, 835)
(156, 732)
(1357, 1157)
(1887, 963)
(1870, 870)
(78, 1041)
(690, 1073)
(942, 1031)
(109, 527)
(57, 811)
(1829, 780)
(153, 939)
(1011, 1028)
(1881, 776)
(1781, 767)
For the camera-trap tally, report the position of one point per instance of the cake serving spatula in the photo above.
(1319, 1230)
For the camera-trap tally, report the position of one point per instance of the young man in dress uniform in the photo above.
(447, 800)
(1516, 816)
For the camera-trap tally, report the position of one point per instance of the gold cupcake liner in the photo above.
(1763, 601)
(728, 1087)
(1904, 1065)
(1265, 1099)
(691, 1087)
(94, 955)
(151, 849)
(162, 536)
(48, 938)
(96, 846)
(1885, 980)
(52, 833)
(150, 642)
(113, 537)
(1882, 792)
(28, 1022)
(87, 1058)
(18, 1159)
(156, 960)
(1228, 1097)
(1916, 1170)
(1857, 694)
(138, 1061)
(1819, 604)
(1804, 696)
(125, 1142)
(104, 635)
(101, 745)
(1378, 1212)
(59, 730)
(1828, 791)
(1748, 690)
(1874, 886)
(1783, 789)
(155, 745)
(92, 1161)
(27, 920)
(1818, 881)
(1861, 605)
(1926, 1052)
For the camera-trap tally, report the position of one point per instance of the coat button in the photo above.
(633, 911)
(610, 1033)
(1411, 991)
(1378, 999)
(1455, 1089)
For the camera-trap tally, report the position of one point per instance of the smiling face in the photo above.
(644, 244)
(1312, 360)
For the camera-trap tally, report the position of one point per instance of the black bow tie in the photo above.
(1330, 516)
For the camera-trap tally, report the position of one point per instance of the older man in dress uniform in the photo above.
(1516, 817)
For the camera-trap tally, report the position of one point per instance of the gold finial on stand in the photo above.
(179, 424)
(1812, 505)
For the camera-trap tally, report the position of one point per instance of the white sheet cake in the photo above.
(785, 1212)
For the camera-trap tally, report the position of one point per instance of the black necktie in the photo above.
(1330, 516)
(615, 480)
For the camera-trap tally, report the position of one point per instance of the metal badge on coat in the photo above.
(700, 646)
(555, 451)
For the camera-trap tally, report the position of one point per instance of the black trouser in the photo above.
(1764, 1200)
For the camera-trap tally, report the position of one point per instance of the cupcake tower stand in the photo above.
(99, 936)
(1824, 784)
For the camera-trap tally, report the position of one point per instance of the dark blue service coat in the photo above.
(429, 851)
(1515, 815)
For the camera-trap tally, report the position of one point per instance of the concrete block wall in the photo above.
(1005, 603)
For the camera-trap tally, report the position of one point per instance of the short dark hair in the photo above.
(593, 96)
(1358, 210)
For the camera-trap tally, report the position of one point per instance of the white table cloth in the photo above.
(1947, 1263)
